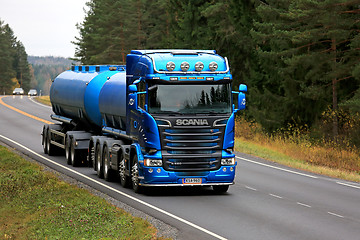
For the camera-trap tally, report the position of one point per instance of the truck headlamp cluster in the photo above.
(153, 162)
(213, 66)
(199, 66)
(170, 66)
(185, 66)
(228, 161)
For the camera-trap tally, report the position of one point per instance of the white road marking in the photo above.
(303, 204)
(254, 189)
(278, 168)
(276, 196)
(119, 192)
(334, 214)
(43, 105)
(348, 185)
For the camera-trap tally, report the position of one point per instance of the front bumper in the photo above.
(157, 177)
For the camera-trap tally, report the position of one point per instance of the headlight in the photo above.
(170, 66)
(185, 66)
(213, 66)
(199, 66)
(228, 161)
(153, 162)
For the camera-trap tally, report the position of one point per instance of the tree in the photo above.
(21, 66)
(305, 48)
(6, 58)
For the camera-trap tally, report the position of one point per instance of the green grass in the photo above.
(43, 99)
(36, 205)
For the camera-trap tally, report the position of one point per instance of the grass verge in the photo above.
(297, 152)
(267, 153)
(36, 205)
(43, 99)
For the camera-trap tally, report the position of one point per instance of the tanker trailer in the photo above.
(164, 119)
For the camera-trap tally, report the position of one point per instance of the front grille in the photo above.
(191, 148)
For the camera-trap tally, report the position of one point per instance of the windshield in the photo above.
(184, 99)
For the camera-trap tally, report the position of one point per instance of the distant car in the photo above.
(32, 92)
(18, 91)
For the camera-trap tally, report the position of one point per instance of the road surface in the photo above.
(268, 201)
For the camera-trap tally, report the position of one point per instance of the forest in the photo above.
(45, 70)
(14, 67)
(300, 59)
(17, 69)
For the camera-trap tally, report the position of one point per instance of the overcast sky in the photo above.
(45, 27)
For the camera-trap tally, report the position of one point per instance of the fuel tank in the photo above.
(77, 94)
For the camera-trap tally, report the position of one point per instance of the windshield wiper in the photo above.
(168, 112)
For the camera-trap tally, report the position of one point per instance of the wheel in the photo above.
(44, 140)
(50, 148)
(108, 172)
(98, 162)
(124, 180)
(92, 156)
(220, 188)
(135, 176)
(67, 151)
(74, 154)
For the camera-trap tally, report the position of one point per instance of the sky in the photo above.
(45, 27)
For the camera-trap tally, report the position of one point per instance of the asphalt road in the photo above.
(268, 201)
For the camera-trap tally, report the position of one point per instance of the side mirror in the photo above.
(242, 88)
(241, 97)
(241, 101)
(133, 88)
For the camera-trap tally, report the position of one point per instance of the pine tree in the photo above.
(306, 54)
(6, 59)
(8, 53)
(21, 66)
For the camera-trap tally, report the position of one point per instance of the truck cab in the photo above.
(181, 116)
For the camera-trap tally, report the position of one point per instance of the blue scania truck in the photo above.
(164, 119)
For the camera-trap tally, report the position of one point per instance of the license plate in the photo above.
(192, 181)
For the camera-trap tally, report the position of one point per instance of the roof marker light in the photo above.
(213, 66)
(185, 66)
(170, 66)
(199, 66)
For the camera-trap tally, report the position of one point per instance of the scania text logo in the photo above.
(191, 122)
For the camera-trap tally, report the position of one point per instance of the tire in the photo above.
(108, 172)
(220, 188)
(92, 156)
(74, 155)
(135, 176)
(124, 180)
(51, 151)
(67, 150)
(44, 140)
(98, 162)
